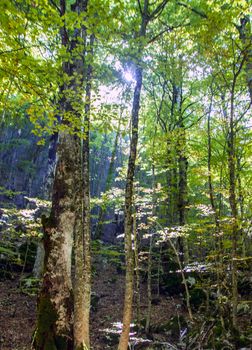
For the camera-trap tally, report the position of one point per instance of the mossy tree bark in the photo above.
(54, 320)
(55, 305)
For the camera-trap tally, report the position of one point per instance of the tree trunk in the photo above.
(217, 238)
(82, 285)
(233, 205)
(149, 278)
(98, 230)
(128, 298)
(55, 306)
(39, 261)
(137, 272)
(246, 38)
(54, 320)
(182, 192)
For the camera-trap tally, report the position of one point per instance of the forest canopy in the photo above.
(144, 108)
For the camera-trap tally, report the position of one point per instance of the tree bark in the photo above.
(137, 272)
(217, 239)
(129, 278)
(129, 284)
(82, 285)
(128, 297)
(98, 230)
(246, 37)
(182, 191)
(233, 206)
(55, 306)
(54, 320)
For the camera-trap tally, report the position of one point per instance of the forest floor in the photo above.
(18, 311)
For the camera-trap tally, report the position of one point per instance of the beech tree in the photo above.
(70, 204)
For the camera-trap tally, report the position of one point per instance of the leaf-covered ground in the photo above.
(18, 311)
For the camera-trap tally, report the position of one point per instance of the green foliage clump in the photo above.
(29, 285)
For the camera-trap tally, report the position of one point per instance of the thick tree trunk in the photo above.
(54, 320)
(54, 325)
(82, 285)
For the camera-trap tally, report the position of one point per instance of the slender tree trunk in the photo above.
(183, 279)
(241, 206)
(149, 280)
(217, 239)
(182, 192)
(48, 182)
(137, 272)
(39, 261)
(98, 230)
(233, 205)
(246, 38)
(170, 183)
(149, 285)
(183, 165)
(232, 171)
(128, 299)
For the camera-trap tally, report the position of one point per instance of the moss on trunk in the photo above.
(45, 334)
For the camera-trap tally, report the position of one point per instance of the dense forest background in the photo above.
(125, 174)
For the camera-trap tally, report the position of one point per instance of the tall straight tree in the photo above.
(146, 17)
(82, 285)
(55, 305)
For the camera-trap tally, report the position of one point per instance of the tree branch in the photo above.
(18, 49)
(56, 6)
(140, 7)
(158, 9)
(167, 30)
(193, 9)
